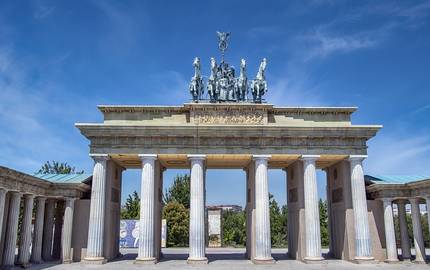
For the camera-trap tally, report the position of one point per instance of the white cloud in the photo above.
(394, 154)
(36, 119)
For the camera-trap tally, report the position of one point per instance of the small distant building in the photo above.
(226, 207)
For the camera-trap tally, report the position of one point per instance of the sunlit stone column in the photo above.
(312, 220)
(48, 228)
(418, 232)
(36, 249)
(363, 246)
(390, 236)
(66, 235)
(3, 217)
(97, 211)
(197, 210)
(263, 249)
(428, 210)
(25, 233)
(404, 236)
(147, 219)
(12, 229)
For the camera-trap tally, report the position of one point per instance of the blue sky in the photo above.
(59, 59)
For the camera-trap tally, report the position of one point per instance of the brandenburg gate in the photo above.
(230, 129)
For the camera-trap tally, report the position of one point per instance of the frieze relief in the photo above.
(231, 117)
(144, 141)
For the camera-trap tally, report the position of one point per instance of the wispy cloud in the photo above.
(31, 118)
(340, 35)
(42, 11)
(325, 43)
(395, 154)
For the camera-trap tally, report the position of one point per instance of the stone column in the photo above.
(12, 229)
(58, 227)
(390, 236)
(363, 243)
(312, 217)
(25, 232)
(48, 230)
(36, 250)
(147, 216)
(420, 252)
(66, 234)
(197, 210)
(404, 236)
(2, 217)
(97, 211)
(263, 250)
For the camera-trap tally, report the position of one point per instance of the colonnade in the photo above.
(260, 236)
(43, 238)
(390, 237)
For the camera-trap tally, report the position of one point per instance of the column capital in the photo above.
(401, 201)
(99, 157)
(357, 158)
(196, 157)
(309, 157)
(70, 199)
(261, 157)
(147, 156)
(28, 195)
(386, 200)
(414, 200)
(3, 190)
(41, 198)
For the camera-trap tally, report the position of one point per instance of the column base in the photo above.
(94, 260)
(364, 260)
(269, 260)
(314, 260)
(392, 261)
(25, 265)
(203, 260)
(67, 261)
(150, 260)
(419, 262)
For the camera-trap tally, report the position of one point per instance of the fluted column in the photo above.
(390, 236)
(66, 234)
(263, 249)
(312, 219)
(404, 236)
(197, 210)
(25, 233)
(146, 252)
(97, 211)
(12, 229)
(420, 252)
(2, 217)
(48, 228)
(36, 250)
(58, 227)
(363, 244)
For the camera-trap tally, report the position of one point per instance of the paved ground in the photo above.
(223, 259)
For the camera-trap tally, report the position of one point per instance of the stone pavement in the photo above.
(222, 259)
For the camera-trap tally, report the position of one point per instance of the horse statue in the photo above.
(242, 83)
(259, 84)
(211, 86)
(196, 84)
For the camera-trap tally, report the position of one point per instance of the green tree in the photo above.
(323, 223)
(131, 208)
(233, 228)
(277, 230)
(58, 168)
(177, 219)
(179, 191)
